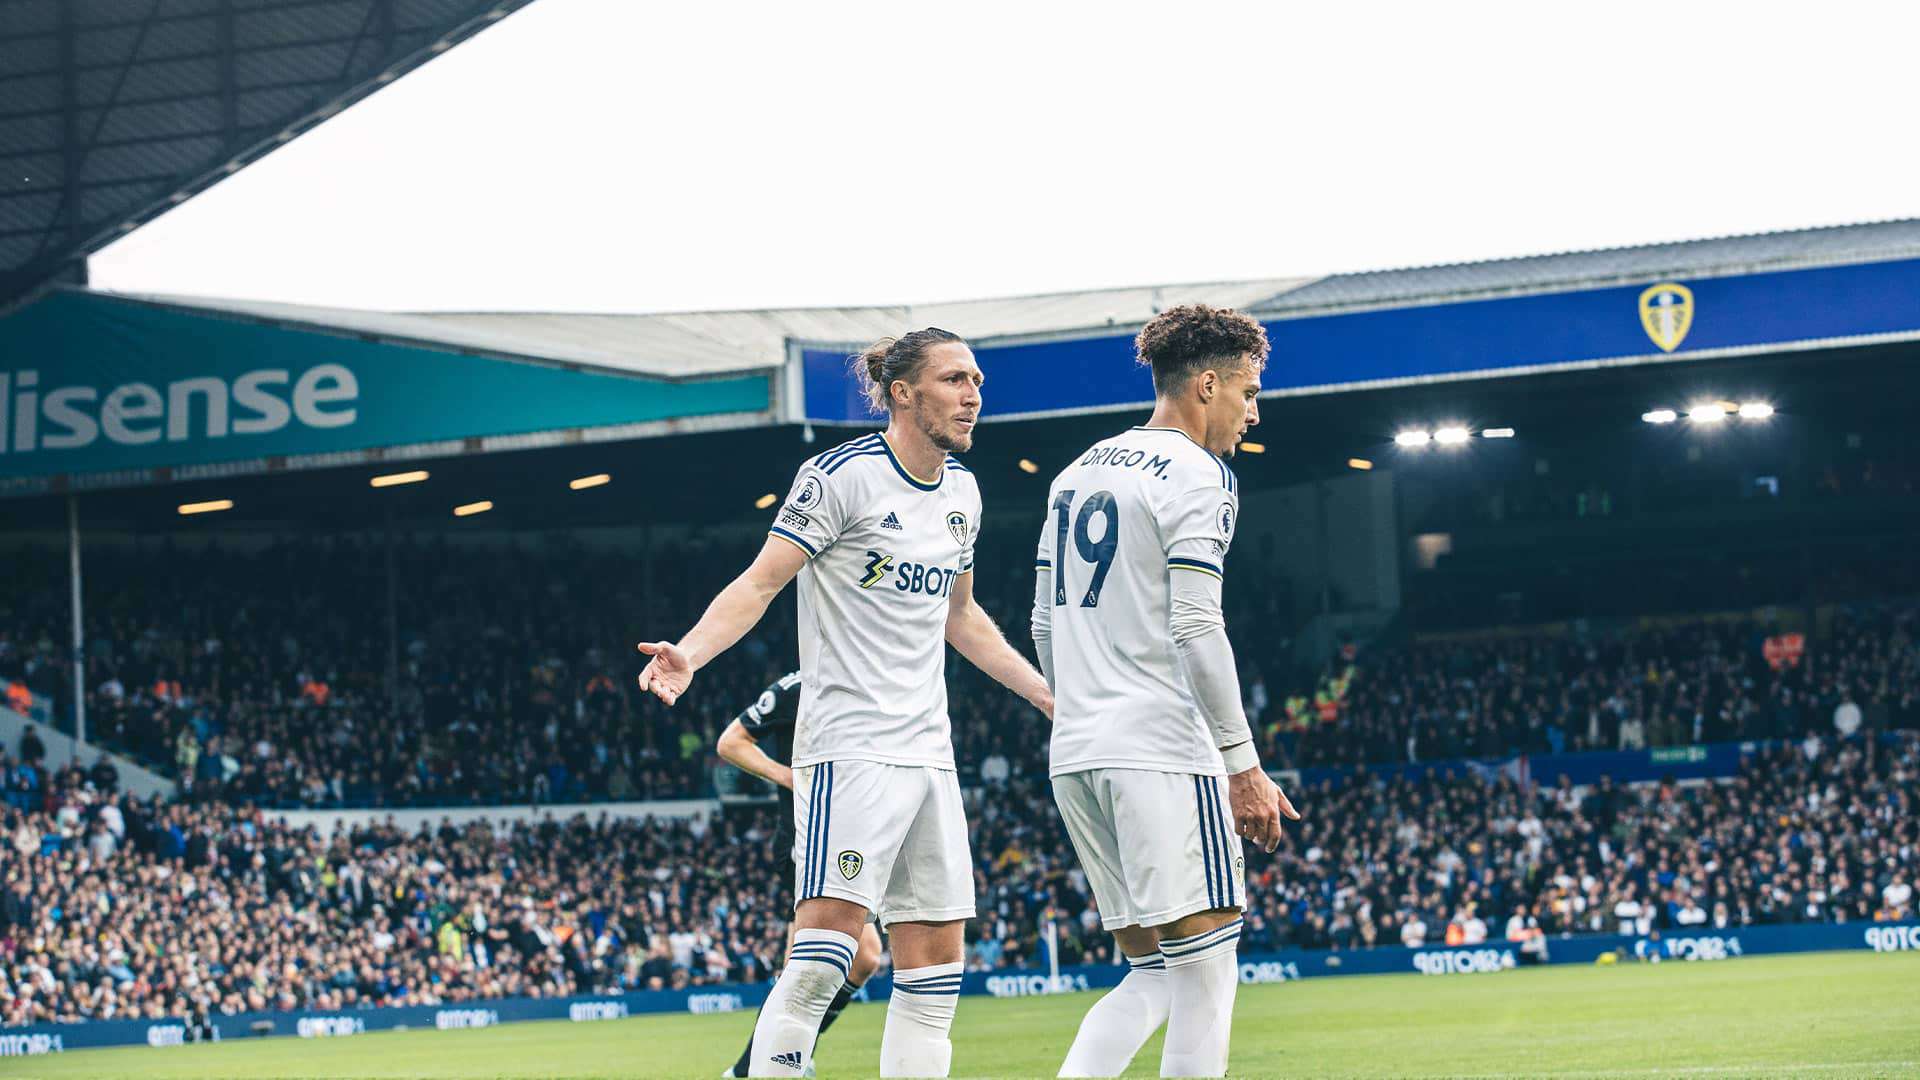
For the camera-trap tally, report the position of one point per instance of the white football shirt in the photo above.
(1130, 511)
(883, 549)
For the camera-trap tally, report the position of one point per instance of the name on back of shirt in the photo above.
(1124, 457)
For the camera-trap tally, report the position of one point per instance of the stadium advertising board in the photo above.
(1314, 351)
(695, 813)
(1491, 958)
(92, 384)
(1695, 762)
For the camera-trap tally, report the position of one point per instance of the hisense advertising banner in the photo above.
(92, 384)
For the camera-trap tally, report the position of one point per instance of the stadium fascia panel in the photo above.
(1734, 352)
(1840, 303)
(1812, 345)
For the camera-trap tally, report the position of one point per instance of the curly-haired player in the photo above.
(1153, 762)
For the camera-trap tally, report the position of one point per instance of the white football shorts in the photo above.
(1155, 846)
(891, 838)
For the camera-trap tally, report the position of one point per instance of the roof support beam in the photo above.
(229, 77)
(205, 95)
(385, 26)
(263, 50)
(71, 212)
(71, 154)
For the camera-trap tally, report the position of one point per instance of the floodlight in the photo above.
(396, 479)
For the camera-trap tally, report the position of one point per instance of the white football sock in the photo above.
(1122, 1021)
(919, 1016)
(1202, 975)
(790, 1020)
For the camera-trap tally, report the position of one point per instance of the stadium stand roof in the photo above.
(706, 343)
(114, 111)
(458, 385)
(1612, 266)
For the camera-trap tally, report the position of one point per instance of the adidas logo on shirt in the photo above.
(890, 521)
(788, 1060)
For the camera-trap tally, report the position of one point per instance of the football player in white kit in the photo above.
(1153, 762)
(880, 531)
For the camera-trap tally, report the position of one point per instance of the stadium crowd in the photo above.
(260, 675)
(1690, 682)
(1820, 831)
(118, 907)
(97, 891)
(245, 676)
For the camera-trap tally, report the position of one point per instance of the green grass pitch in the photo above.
(1823, 1015)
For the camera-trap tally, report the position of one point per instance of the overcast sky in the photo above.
(607, 155)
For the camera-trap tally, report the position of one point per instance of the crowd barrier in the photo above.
(695, 812)
(1286, 966)
(1700, 761)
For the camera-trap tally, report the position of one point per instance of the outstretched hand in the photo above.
(668, 674)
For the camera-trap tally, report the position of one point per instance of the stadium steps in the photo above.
(134, 778)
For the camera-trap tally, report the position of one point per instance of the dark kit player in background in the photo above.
(755, 742)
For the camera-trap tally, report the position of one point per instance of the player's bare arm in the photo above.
(738, 748)
(736, 610)
(972, 632)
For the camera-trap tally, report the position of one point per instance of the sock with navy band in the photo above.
(789, 1022)
(840, 1002)
(919, 1018)
(1121, 1022)
(1202, 975)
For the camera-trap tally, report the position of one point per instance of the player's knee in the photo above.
(1137, 940)
(831, 913)
(1199, 922)
(922, 944)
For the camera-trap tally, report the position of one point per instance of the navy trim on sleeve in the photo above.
(864, 442)
(794, 539)
(1179, 563)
